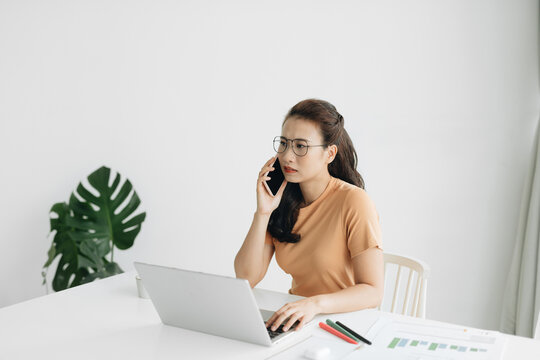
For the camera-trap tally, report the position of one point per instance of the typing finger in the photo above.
(272, 318)
(294, 317)
(281, 318)
(277, 314)
(300, 324)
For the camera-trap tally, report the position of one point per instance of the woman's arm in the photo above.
(254, 256)
(367, 293)
(368, 269)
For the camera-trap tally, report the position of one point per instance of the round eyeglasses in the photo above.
(299, 146)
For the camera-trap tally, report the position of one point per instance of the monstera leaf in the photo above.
(65, 247)
(90, 226)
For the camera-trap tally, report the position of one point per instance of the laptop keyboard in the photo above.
(275, 333)
(279, 330)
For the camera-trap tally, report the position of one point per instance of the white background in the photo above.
(441, 99)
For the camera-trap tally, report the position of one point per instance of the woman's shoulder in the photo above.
(351, 195)
(345, 189)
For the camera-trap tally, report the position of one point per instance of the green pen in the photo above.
(341, 330)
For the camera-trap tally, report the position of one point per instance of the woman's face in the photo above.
(296, 168)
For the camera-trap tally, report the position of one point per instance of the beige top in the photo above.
(339, 225)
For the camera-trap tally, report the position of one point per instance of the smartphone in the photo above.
(276, 178)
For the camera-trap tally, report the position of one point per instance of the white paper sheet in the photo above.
(414, 340)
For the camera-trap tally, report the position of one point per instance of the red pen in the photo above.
(337, 333)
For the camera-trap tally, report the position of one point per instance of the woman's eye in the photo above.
(300, 146)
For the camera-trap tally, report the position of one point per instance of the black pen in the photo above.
(354, 333)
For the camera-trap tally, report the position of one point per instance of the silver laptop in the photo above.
(212, 304)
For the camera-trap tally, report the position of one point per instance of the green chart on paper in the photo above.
(398, 343)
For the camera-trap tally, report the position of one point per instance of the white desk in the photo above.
(106, 320)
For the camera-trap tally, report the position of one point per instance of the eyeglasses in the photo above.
(299, 146)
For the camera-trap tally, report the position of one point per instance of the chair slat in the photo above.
(396, 290)
(408, 293)
(385, 267)
(416, 301)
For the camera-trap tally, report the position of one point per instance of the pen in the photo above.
(337, 333)
(354, 334)
(340, 329)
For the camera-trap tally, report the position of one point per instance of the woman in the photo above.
(321, 224)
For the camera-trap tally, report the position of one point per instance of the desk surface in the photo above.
(107, 320)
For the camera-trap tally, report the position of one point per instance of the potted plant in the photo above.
(88, 228)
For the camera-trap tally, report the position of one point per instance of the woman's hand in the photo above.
(302, 311)
(266, 203)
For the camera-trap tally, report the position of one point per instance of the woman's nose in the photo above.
(288, 155)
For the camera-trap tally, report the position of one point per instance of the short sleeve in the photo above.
(362, 226)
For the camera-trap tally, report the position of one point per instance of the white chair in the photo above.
(401, 303)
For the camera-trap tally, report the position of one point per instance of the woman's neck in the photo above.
(312, 189)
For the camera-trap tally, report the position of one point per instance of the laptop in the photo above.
(212, 304)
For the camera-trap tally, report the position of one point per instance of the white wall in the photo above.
(439, 97)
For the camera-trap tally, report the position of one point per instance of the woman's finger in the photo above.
(294, 317)
(265, 170)
(274, 316)
(300, 324)
(270, 321)
(271, 160)
(281, 318)
(268, 163)
(281, 188)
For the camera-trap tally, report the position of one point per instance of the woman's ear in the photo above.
(332, 152)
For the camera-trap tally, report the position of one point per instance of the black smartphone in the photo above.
(276, 178)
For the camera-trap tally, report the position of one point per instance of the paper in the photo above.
(418, 341)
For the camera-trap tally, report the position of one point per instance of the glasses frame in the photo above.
(280, 138)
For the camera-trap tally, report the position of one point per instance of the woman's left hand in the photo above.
(302, 311)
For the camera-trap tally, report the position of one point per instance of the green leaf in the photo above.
(112, 268)
(94, 251)
(84, 262)
(96, 217)
(64, 246)
(57, 216)
(67, 266)
(51, 254)
(109, 269)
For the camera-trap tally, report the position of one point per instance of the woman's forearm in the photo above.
(248, 263)
(357, 297)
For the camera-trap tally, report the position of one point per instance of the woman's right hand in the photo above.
(266, 203)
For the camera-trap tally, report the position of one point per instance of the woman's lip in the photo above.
(289, 170)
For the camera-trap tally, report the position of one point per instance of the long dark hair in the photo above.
(330, 123)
